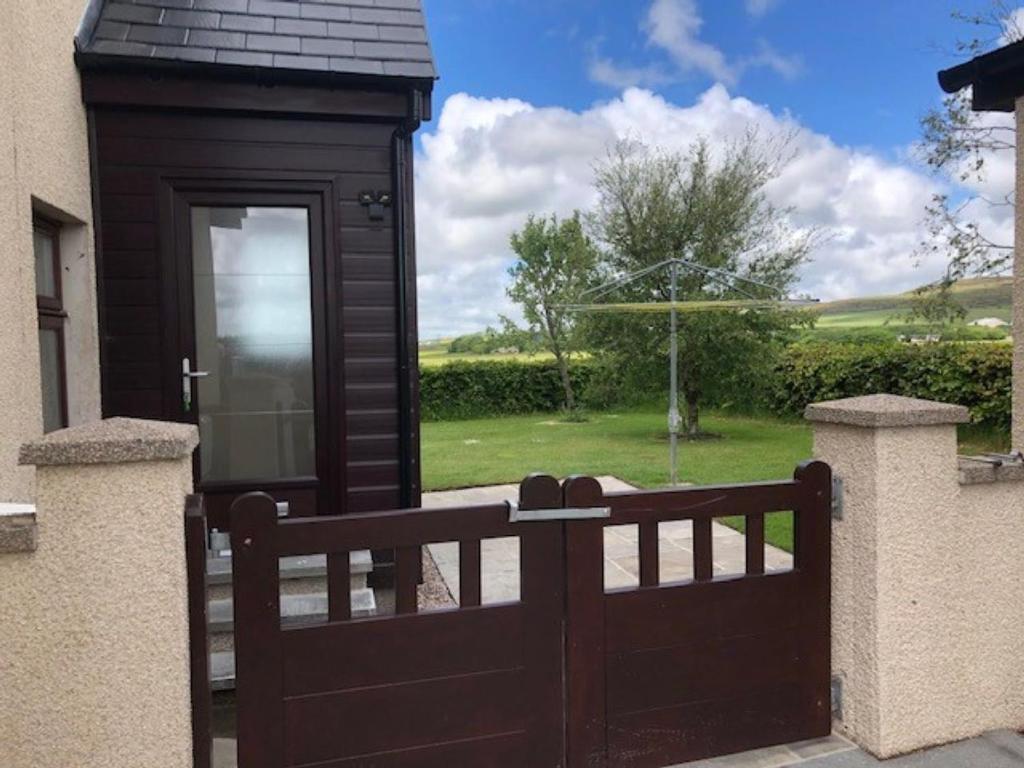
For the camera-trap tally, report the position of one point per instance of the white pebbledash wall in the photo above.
(94, 650)
(1018, 297)
(928, 573)
(44, 166)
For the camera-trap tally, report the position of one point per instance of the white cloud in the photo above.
(674, 27)
(760, 7)
(489, 163)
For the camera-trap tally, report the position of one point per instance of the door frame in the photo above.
(318, 195)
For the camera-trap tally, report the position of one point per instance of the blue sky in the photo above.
(855, 77)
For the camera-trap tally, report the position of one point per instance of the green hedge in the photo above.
(467, 390)
(975, 375)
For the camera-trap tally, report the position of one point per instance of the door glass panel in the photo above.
(46, 280)
(253, 329)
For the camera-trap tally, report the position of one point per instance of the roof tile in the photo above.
(321, 11)
(276, 43)
(301, 27)
(386, 38)
(273, 8)
(247, 23)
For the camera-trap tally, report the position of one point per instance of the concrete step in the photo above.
(218, 569)
(295, 609)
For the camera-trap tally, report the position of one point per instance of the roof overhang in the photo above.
(996, 78)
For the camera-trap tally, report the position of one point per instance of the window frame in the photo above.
(51, 313)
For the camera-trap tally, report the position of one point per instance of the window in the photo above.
(46, 244)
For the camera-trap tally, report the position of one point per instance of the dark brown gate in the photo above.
(570, 675)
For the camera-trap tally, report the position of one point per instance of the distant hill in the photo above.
(973, 293)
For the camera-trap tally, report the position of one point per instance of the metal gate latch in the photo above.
(517, 515)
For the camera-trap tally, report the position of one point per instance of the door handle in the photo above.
(187, 374)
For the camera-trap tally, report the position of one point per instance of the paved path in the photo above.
(500, 557)
(999, 749)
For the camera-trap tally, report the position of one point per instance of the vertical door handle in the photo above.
(187, 374)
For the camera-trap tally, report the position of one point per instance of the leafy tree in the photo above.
(556, 262)
(710, 208)
(959, 143)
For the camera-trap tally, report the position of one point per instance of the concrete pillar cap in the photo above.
(886, 411)
(112, 441)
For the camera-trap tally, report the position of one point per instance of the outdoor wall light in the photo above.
(375, 202)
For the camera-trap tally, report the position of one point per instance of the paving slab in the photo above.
(499, 558)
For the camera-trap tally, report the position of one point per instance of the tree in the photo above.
(959, 143)
(556, 263)
(712, 211)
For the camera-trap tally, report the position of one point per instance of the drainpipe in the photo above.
(401, 147)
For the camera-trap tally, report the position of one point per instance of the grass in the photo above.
(632, 445)
(433, 357)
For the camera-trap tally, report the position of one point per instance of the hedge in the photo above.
(467, 390)
(975, 375)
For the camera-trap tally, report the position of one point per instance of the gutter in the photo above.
(400, 143)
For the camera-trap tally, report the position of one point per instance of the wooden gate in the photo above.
(572, 674)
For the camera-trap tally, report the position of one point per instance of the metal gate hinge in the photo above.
(837, 497)
(837, 698)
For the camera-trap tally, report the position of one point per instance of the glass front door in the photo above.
(250, 386)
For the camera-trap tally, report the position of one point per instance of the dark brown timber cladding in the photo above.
(137, 152)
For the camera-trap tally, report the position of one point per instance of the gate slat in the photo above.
(703, 566)
(649, 554)
(339, 586)
(407, 573)
(755, 544)
(469, 573)
(257, 606)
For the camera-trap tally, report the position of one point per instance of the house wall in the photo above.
(138, 154)
(44, 166)
(1018, 298)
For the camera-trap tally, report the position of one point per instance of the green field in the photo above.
(433, 357)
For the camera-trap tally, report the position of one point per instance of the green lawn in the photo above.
(628, 444)
(631, 445)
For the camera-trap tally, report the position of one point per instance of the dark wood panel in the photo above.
(670, 615)
(399, 649)
(121, 235)
(367, 240)
(368, 266)
(761, 717)
(130, 264)
(366, 293)
(130, 293)
(133, 349)
(129, 208)
(372, 499)
(393, 528)
(136, 376)
(370, 371)
(134, 321)
(369, 320)
(373, 473)
(139, 403)
(209, 127)
(712, 668)
(372, 395)
(418, 714)
(507, 750)
(371, 422)
(372, 447)
(372, 345)
(179, 153)
(119, 180)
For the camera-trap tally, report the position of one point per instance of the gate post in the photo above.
(921, 635)
(94, 639)
(585, 632)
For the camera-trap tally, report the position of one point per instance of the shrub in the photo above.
(975, 375)
(467, 390)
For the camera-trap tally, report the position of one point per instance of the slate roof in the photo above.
(352, 37)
